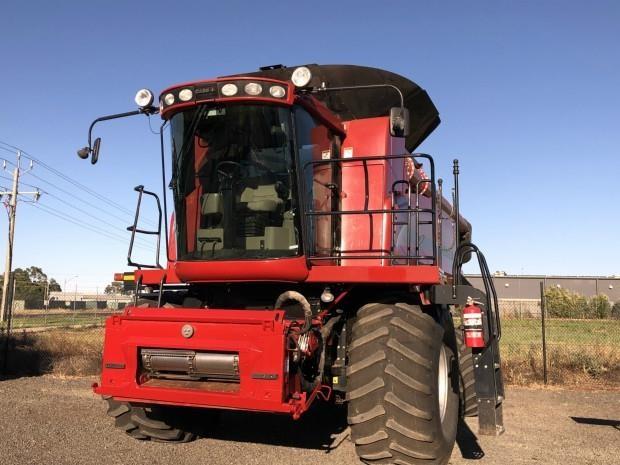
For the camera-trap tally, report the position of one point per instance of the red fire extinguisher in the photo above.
(473, 334)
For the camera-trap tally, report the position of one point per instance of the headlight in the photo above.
(253, 88)
(186, 95)
(228, 90)
(144, 98)
(301, 76)
(169, 99)
(277, 91)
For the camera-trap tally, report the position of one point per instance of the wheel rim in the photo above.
(442, 383)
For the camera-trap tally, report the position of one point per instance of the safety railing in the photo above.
(409, 214)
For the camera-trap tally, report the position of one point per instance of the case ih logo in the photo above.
(187, 331)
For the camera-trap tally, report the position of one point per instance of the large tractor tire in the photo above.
(147, 423)
(403, 395)
(469, 401)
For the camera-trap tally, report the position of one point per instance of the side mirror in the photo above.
(96, 146)
(399, 122)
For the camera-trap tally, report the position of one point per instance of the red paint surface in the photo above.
(422, 274)
(257, 336)
(281, 269)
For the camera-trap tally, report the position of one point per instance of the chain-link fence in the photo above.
(572, 344)
(581, 343)
(62, 334)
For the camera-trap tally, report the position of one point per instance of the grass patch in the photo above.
(61, 352)
(593, 366)
(559, 331)
(580, 352)
(44, 320)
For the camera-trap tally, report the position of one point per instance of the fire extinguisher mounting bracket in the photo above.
(442, 294)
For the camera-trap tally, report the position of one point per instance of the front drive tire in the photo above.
(469, 400)
(147, 422)
(403, 387)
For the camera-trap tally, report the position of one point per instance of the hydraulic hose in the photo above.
(326, 330)
(305, 305)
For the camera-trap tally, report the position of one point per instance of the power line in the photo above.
(77, 222)
(84, 212)
(86, 202)
(73, 182)
(47, 193)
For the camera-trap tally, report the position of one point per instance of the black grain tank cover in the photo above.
(367, 103)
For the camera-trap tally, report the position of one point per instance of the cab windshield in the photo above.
(233, 183)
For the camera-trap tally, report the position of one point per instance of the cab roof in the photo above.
(366, 103)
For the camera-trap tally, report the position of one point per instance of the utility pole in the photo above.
(7, 302)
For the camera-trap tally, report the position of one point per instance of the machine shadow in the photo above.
(467, 442)
(20, 356)
(596, 422)
(312, 431)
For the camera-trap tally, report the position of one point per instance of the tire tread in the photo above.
(389, 376)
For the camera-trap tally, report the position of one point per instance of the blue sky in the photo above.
(528, 94)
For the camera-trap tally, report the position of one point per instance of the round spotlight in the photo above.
(228, 90)
(301, 76)
(169, 99)
(277, 91)
(186, 95)
(144, 98)
(253, 88)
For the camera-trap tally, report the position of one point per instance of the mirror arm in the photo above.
(146, 111)
(84, 152)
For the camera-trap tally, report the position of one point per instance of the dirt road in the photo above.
(47, 420)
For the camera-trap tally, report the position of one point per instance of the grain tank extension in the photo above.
(311, 257)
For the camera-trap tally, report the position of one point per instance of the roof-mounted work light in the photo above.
(144, 98)
(301, 76)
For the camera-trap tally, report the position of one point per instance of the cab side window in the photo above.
(314, 143)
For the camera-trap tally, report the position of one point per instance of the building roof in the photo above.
(543, 276)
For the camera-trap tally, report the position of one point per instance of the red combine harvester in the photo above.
(311, 255)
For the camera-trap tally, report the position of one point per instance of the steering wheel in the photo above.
(229, 172)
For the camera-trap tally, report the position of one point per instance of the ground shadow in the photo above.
(313, 430)
(597, 422)
(21, 355)
(467, 442)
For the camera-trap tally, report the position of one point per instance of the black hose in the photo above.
(305, 305)
(326, 330)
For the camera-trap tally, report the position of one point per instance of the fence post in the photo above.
(543, 309)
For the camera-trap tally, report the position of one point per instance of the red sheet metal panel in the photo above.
(257, 336)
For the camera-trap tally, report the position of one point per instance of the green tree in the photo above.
(31, 285)
(600, 307)
(558, 302)
(615, 311)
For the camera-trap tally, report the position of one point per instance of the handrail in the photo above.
(492, 306)
(413, 207)
(134, 229)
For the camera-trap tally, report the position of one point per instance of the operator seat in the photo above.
(263, 198)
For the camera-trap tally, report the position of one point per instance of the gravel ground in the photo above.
(47, 420)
